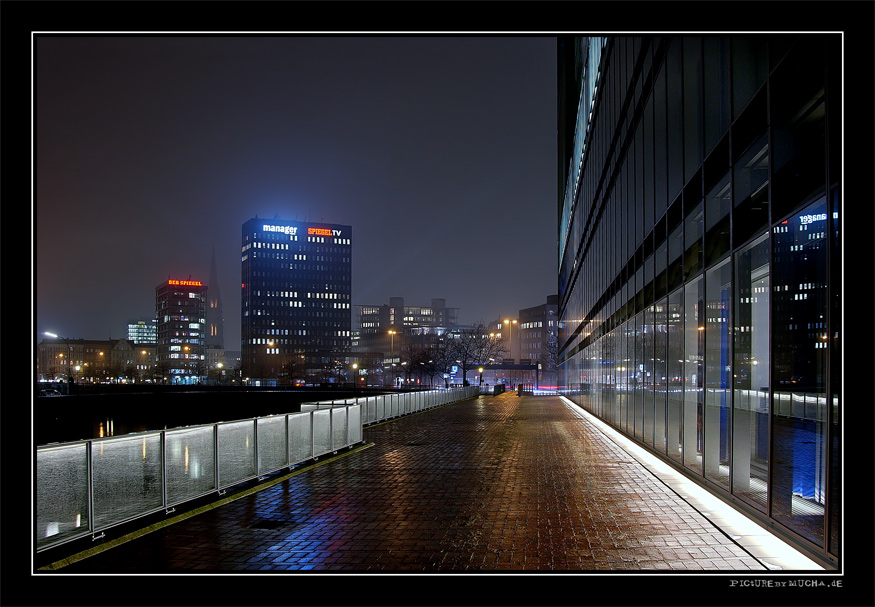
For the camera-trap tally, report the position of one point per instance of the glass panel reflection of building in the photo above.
(699, 261)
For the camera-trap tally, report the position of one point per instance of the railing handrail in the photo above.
(72, 473)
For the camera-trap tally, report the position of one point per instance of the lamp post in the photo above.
(69, 358)
(510, 324)
(268, 352)
(392, 355)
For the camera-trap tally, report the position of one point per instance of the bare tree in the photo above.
(429, 359)
(442, 356)
(550, 358)
(474, 347)
(417, 360)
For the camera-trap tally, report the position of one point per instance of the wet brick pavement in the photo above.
(502, 483)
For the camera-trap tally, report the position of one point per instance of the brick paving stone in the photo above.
(502, 483)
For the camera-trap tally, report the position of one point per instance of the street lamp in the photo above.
(69, 357)
(510, 324)
(392, 355)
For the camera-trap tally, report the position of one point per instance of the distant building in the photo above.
(215, 364)
(143, 331)
(89, 360)
(408, 325)
(295, 301)
(387, 336)
(538, 334)
(180, 306)
(531, 339)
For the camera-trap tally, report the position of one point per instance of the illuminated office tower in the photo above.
(180, 307)
(699, 261)
(295, 301)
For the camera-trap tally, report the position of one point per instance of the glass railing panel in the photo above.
(236, 452)
(338, 428)
(300, 437)
(272, 444)
(190, 464)
(126, 478)
(321, 431)
(61, 493)
(354, 420)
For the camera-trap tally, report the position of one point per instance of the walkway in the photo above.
(494, 484)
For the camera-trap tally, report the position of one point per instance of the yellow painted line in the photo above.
(186, 515)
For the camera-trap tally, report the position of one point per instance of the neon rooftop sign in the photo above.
(291, 230)
(185, 283)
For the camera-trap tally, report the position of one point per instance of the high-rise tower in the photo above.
(295, 300)
(180, 306)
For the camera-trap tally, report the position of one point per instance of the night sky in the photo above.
(152, 151)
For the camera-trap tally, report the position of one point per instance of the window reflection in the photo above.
(718, 283)
(799, 354)
(694, 330)
(675, 372)
(660, 373)
(750, 437)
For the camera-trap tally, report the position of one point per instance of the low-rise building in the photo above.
(93, 360)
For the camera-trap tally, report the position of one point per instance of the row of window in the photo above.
(294, 238)
(621, 201)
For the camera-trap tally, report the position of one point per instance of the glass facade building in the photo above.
(700, 261)
(296, 297)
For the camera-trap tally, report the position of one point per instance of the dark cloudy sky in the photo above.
(440, 152)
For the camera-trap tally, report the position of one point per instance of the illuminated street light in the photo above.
(392, 355)
(69, 355)
(510, 324)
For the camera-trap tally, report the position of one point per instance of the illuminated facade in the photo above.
(81, 361)
(296, 300)
(699, 261)
(180, 307)
(143, 331)
(530, 343)
(373, 322)
(385, 331)
(538, 335)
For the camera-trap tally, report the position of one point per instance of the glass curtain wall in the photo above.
(700, 281)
